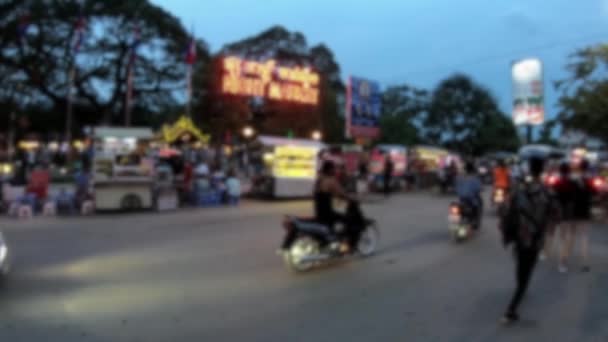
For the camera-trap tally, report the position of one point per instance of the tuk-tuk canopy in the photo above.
(182, 127)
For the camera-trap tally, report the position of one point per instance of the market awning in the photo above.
(279, 141)
(182, 127)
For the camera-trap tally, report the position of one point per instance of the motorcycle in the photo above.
(462, 220)
(499, 200)
(308, 243)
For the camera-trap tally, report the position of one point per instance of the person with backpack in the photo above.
(523, 226)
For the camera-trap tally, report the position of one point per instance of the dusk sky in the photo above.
(418, 42)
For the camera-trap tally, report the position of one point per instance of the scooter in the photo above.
(308, 243)
(462, 221)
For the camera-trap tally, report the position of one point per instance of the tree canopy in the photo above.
(584, 94)
(465, 117)
(37, 60)
(403, 108)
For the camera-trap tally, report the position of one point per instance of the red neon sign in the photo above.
(267, 79)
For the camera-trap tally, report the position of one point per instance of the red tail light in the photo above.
(552, 180)
(598, 182)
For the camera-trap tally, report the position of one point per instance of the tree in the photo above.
(403, 108)
(583, 101)
(41, 59)
(465, 117)
(229, 113)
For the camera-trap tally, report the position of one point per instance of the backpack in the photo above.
(528, 216)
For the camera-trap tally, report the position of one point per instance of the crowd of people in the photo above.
(536, 210)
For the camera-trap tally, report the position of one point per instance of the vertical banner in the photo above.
(528, 92)
(363, 108)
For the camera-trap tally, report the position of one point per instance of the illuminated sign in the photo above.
(528, 95)
(269, 80)
(294, 162)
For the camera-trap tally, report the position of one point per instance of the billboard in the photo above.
(270, 80)
(528, 92)
(363, 108)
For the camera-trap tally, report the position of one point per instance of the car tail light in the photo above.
(552, 180)
(598, 182)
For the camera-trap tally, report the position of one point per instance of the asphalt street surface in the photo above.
(213, 275)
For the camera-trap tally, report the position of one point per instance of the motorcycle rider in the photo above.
(502, 176)
(502, 179)
(468, 189)
(327, 187)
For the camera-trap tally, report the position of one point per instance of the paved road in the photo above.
(212, 275)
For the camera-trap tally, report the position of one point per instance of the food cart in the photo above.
(284, 168)
(123, 177)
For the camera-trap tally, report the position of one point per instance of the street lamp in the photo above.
(248, 132)
(316, 135)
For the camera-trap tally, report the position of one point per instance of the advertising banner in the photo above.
(363, 108)
(528, 92)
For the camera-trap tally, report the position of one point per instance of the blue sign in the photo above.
(364, 106)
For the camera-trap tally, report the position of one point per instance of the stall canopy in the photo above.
(183, 127)
(122, 132)
(277, 141)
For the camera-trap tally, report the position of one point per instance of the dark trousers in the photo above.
(387, 185)
(525, 259)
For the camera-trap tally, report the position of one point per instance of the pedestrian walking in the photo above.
(524, 227)
(388, 174)
(575, 194)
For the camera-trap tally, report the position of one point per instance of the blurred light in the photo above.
(29, 144)
(598, 182)
(7, 168)
(454, 210)
(78, 144)
(462, 232)
(268, 157)
(3, 251)
(248, 132)
(53, 146)
(316, 135)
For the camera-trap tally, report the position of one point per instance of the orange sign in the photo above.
(269, 80)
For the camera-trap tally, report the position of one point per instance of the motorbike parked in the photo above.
(308, 244)
(463, 220)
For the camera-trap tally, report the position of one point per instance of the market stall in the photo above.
(122, 174)
(377, 163)
(284, 167)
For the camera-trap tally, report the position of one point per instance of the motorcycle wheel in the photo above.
(302, 247)
(368, 241)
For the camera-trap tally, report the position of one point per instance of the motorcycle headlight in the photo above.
(462, 232)
(3, 252)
